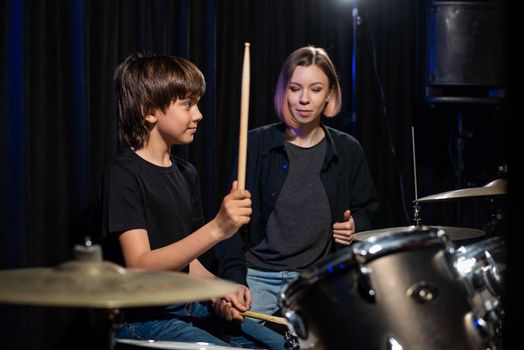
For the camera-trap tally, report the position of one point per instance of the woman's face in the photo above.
(306, 94)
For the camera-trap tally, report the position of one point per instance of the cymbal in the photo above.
(454, 233)
(494, 188)
(90, 282)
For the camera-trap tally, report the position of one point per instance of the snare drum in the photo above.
(132, 344)
(396, 291)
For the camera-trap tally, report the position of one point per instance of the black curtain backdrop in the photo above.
(57, 124)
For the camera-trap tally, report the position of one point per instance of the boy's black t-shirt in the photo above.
(136, 194)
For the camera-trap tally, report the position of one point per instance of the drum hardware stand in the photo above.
(416, 207)
(100, 330)
(101, 323)
(494, 222)
(498, 217)
(497, 220)
(416, 214)
(417, 219)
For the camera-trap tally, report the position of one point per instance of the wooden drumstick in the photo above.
(265, 317)
(244, 109)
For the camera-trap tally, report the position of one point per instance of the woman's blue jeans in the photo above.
(265, 287)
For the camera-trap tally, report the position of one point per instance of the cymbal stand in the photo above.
(100, 323)
(416, 207)
(89, 329)
(497, 217)
(416, 214)
(494, 223)
(101, 326)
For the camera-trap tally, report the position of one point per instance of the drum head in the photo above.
(132, 344)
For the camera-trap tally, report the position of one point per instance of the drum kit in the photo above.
(405, 288)
(397, 288)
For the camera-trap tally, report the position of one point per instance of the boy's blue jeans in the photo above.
(195, 322)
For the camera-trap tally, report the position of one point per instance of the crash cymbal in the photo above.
(90, 282)
(494, 188)
(454, 233)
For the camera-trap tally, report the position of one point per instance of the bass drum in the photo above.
(482, 267)
(397, 291)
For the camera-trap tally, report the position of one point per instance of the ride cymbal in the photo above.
(90, 282)
(494, 188)
(454, 233)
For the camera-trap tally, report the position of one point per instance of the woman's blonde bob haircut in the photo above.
(307, 56)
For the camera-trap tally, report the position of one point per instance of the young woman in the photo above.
(310, 186)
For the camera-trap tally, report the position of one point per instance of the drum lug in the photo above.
(493, 275)
(364, 284)
(481, 327)
(296, 324)
(393, 344)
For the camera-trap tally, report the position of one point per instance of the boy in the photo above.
(151, 208)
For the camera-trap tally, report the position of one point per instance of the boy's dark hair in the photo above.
(147, 83)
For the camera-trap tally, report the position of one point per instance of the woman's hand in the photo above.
(343, 231)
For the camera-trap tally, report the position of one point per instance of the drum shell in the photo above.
(482, 268)
(482, 265)
(337, 313)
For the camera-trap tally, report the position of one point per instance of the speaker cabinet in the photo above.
(464, 49)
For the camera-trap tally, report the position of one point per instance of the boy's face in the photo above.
(178, 124)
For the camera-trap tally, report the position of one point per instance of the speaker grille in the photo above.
(465, 44)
